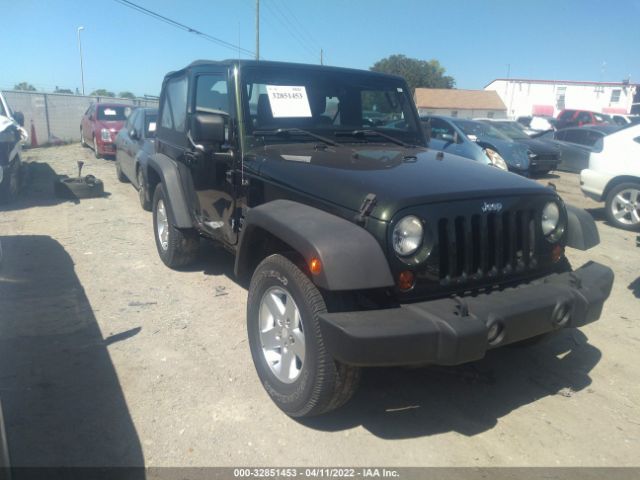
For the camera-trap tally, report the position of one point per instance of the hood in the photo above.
(399, 177)
(540, 147)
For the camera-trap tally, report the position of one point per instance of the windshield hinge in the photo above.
(366, 208)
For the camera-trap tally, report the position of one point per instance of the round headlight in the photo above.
(550, 218)
(407, 235)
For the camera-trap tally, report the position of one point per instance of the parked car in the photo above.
(543, 156)
(363, 247)
(100, 124)
(577, 118)
(577, 144)
(624, 120)
(12, 135)
(613, 177)
(134, 145)
(517, 157)
(537, 123)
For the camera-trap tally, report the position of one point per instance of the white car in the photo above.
(11, 137)
(613, 176)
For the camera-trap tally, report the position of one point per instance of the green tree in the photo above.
(101, 92)
(62, 90)
(126, 95)
(417, 73)
(24, 86)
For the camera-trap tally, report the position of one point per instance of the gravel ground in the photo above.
(109, 358)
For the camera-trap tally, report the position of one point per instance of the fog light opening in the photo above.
(495, 333)
(561, 314)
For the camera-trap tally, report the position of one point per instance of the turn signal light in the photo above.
(315, 266)
(406, 280)
(556, 253)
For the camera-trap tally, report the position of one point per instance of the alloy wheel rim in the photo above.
(162, 225)
(281, 334)
(625, 206)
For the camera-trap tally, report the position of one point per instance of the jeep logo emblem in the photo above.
(491, 207)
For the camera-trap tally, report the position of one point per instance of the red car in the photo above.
(100, 124)
(577, 118)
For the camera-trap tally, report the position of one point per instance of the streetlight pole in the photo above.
(81, 67)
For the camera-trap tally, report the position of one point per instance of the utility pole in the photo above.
(321, 62)
(257, 29)
(81, 67)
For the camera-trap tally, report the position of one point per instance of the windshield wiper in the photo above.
(364, 133)
(285, 132)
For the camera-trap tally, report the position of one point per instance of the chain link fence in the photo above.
(55, 117)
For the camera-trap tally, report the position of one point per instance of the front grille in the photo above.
(545, 160)
(485, 245)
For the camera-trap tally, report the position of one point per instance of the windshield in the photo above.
(479, 129)
(328, 103)
(512, 130)
(113, 113)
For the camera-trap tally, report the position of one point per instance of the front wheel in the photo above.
(176, 247)
(95, 148)
(622, 206)
(287, 346)
(119, 173)
(10, 184)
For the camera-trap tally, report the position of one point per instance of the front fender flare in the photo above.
(582, 232)
(169, 174)
(351, 257)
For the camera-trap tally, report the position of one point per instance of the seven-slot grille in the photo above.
(476, 246)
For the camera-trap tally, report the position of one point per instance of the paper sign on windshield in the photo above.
(288, 101)
(152, 126)
(110, 111)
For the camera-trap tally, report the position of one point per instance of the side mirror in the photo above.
(208, 128)
(473, 138)
(447, 137)
(91, 117)
(19, 118)
(133, 134)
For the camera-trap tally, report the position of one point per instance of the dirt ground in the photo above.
(109, 358)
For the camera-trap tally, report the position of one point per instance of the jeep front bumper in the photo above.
(452, 331)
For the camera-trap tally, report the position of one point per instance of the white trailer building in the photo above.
(548, 97)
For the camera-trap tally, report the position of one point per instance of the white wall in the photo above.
(523, 97)
(463, 113)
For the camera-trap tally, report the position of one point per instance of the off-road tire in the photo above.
(182, 244)
(76, 188)
(83, 144)
(608, 206)
(143, 194)
(323, 383)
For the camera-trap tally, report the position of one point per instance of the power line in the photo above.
(288, 26)
(186, 28)
(301, 28)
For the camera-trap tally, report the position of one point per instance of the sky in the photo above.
(476, 41)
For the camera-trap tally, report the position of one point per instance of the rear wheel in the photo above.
(142, 190)
(622, 206)
(286, 343)
(82, 142)
(176, 247)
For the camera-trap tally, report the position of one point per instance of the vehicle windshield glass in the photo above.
(479, 129)
(513, 130)
(326, 102)
(601, 117)
(113, 113)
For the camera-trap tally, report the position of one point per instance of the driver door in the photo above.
(212, 171)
